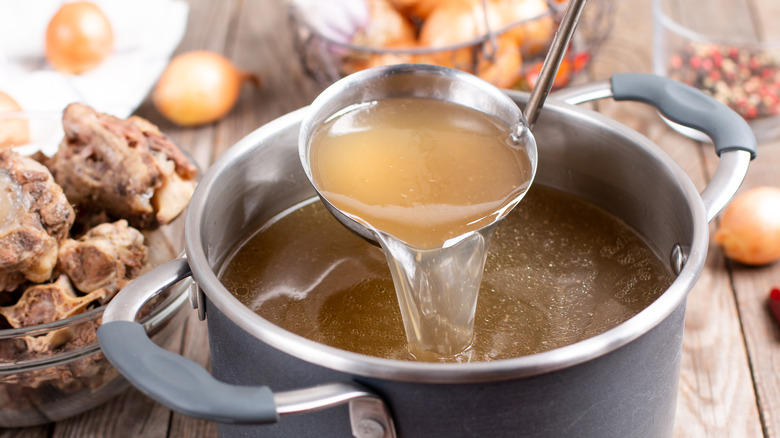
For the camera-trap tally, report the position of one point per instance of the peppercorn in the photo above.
(747, 81)
(774, 303)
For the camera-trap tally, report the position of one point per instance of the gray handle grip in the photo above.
(732, 137)
(180, 383)
(687, 106)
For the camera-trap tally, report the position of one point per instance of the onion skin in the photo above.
(461, 21)
(13, 132)
(198, 87)
(420, 9)
(388, 30)
(78, 38)
(533, 36)
(504, 70)
(749, 230)
(387, 27)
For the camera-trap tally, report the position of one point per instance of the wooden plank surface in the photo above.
(753, 284)
(716, 394)
(729, 384)
(751, 287)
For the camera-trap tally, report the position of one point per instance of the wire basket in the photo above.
(327, 59)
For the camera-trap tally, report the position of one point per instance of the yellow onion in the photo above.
(455, 22)
(458, 22)
(504, 68)
(13, 131)
(466, 20)
(393, 56)
(78, 38)
(198, 87)
(420, 9)
(386, 27)
(749, 229)
(537, 28)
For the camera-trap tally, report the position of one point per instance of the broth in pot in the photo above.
(559, 270)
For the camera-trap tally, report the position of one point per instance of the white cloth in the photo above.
(146, 32)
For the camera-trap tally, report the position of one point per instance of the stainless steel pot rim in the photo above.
(374, 367)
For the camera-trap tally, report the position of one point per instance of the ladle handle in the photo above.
(187, 388)
(552, 62)
(731, 135)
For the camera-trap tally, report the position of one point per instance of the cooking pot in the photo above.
(618, 384)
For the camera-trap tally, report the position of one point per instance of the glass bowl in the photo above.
(42, 385)
(75, 377)
(720, 50)
(333, 40)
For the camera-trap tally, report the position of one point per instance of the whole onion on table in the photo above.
(749, 229)
(199, 87)
(78, 38)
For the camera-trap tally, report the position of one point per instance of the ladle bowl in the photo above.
(437, 286)
(415, 81)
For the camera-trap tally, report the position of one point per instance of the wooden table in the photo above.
(729, 385)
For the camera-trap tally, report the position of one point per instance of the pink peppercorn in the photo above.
(747, 81)
(774, 303)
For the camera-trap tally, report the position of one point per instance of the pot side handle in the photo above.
(732, 137)
(188, 388)
(180, 383)
(173, 380)
(687, 106)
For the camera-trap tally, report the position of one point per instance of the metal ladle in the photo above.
(437, 288)
(442, 83)
(552, 62)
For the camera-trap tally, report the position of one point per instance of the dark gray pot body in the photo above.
(629, 392)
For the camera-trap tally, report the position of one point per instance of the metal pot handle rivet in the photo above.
(677, 259)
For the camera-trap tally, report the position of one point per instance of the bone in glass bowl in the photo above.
(54, 370)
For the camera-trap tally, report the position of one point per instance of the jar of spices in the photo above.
(728, 49)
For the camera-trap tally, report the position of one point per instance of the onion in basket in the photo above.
(488, 38)
(538, 26)
(455, 23)
(388, 27)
